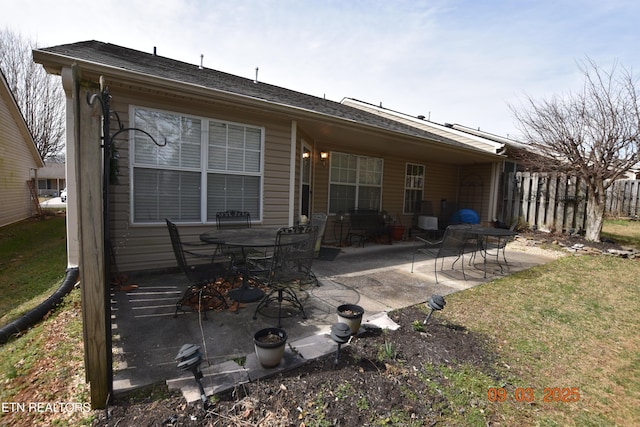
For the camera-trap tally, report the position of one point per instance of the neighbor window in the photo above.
(355, 182)
(206, 166)
(413, 188)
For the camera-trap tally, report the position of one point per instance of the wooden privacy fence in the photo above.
(623, 198)
(558, 202)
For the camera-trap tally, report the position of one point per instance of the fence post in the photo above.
(633, 190)
(541, 192)
(582, 197)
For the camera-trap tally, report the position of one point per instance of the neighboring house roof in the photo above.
(53, 170)
(487, 135)
(121, 59)
(478, 141)
(14, 108)
(515, 150)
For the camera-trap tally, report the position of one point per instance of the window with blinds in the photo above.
(205, 167)
(355, 182)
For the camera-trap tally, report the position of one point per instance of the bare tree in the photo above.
(39, 95)
(593, 134)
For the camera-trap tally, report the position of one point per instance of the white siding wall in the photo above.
(16, 166)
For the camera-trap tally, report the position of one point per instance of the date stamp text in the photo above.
(528, 394)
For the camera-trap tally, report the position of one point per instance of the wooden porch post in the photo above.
(94, 290)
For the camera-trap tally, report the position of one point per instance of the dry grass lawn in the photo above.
(570, 324)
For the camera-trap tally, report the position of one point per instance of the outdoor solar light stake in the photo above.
(189, 359)
(436, 302)
(340, 333)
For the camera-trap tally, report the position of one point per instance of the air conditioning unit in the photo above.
(428, 222)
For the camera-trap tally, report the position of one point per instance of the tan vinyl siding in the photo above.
(17, 164)
(442, 182)
(393, 190)
(143, 247)
(320, 182)
(277, 173)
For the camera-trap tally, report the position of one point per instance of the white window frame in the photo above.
(202, 168)
(413, 182)
(354, 177)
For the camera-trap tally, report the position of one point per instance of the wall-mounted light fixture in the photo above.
(324, 155)
(306, 155)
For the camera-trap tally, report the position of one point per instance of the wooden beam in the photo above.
(94, 290)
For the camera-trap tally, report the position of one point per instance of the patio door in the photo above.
(305, 180)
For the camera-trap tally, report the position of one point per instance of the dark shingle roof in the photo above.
(153, 65)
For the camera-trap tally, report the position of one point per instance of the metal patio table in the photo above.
(500, 235)
(244, 238)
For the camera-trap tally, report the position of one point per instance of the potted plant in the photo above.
(351, 314)
(269, 344)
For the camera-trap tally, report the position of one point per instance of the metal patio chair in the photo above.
(320, 221)
(288, 270)
(233, 219)
(204, 270)
(452, 244)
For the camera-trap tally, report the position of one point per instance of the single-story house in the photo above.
(19, 160)
(239, 143)
(183, 142)
(51, 178)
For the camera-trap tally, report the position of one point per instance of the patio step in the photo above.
(227, 375)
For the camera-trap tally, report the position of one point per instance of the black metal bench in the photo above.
(367, 224)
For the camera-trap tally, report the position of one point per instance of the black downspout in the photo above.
(34, 316)
(106, 180)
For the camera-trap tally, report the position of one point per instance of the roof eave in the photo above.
(496, 146)
(55, 62)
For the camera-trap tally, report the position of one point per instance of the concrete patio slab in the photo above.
(147, 336)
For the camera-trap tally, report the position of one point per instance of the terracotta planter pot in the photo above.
(269, 344)
(397, 232)
(351, 314)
